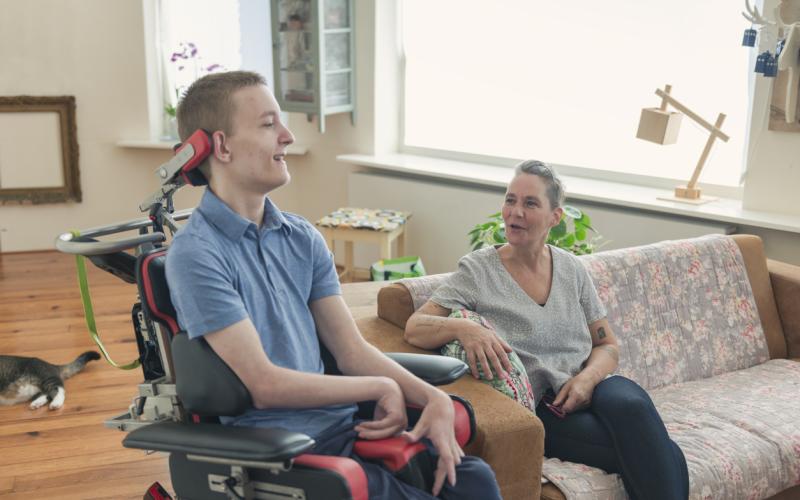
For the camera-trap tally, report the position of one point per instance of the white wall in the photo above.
(51, 47)
(94, 50)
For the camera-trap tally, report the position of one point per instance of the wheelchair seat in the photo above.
(209, 460)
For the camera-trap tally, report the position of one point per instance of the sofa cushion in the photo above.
(739, 432)
(682, 310)
(514, 383)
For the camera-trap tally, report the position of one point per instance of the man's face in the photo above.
(258, 141)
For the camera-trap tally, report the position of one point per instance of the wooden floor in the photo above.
(68, 453)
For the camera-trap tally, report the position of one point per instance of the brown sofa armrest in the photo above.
(785, 280)
(509, 437)
(395, 304)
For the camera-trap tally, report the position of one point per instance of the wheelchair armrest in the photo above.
(435, 370)
(219, 441)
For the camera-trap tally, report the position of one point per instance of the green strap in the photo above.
(88, 312)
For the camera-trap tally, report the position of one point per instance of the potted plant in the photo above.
(570, 234)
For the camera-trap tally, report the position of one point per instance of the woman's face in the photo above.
(527, 212)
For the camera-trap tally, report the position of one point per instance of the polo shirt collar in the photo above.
(234, 225)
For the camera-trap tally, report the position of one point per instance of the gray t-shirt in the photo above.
(553, 339)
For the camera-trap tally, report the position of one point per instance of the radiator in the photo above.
(443, 213)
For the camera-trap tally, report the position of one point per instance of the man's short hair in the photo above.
(208, 104)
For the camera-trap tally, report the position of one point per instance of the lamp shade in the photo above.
(659, 126)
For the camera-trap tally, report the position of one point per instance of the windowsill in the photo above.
(579, 188)
(294, 149)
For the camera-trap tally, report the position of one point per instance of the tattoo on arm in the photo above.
(601, 333)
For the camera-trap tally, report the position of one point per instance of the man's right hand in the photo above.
(390, 412)
(485, 346)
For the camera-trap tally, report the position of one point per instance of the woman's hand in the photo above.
(484, 346)
(576, 394)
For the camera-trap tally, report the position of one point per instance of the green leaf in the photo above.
(499, 237)
(580, 233)
(559, 230)
(572, 212)
(567, 241)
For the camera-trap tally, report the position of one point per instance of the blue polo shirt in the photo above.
(221, 269)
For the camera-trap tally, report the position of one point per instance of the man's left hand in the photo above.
(437, 424)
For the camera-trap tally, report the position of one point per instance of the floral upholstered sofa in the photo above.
(707, 326)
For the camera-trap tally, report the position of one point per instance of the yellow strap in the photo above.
(88, 312)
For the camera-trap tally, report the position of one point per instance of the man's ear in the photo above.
(221, 150)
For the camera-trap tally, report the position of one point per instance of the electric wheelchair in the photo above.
(187, 386)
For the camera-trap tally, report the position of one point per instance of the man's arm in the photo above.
(355, 356)
(239, 346)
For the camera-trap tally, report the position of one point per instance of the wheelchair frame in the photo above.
(158, 401)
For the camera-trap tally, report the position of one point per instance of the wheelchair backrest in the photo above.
(205, 384)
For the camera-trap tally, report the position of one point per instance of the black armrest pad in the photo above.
(435, 370)
(215, 440)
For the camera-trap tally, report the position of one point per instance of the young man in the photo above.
(261, 287)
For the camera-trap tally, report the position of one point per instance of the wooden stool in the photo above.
(356, 225)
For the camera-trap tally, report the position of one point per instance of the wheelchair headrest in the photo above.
(152, 282)
(192, 152)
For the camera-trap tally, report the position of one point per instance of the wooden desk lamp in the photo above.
(661, 126)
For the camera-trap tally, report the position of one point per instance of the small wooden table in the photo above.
(368, 226)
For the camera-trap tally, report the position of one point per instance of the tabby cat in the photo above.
(35, 380)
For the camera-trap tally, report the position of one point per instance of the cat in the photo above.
(36, 380)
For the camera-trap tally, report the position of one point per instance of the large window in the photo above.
(565, 82)
(196, 37)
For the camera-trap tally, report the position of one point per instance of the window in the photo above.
(565, 82)
(196, 37)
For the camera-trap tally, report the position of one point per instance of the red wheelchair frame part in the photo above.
(148, 290)
(347, 468)
(203, 147)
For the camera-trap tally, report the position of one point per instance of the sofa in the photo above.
(708, 326)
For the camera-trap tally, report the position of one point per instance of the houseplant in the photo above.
(570, 234)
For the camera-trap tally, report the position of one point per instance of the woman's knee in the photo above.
(621, 396)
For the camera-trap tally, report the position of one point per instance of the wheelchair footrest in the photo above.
(218, 441)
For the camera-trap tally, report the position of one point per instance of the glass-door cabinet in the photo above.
(313, 57)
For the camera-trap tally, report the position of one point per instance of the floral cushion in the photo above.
(514, 384)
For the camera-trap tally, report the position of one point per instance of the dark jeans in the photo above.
(474, 478)
(620, 432)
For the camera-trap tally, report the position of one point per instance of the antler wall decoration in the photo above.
(786, 19)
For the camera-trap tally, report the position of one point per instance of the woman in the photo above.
(543, 305)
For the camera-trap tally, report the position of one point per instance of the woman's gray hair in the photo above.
(555, 188)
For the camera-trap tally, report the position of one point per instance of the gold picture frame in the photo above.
(67, 137)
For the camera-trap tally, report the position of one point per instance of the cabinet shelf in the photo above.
(314, 57)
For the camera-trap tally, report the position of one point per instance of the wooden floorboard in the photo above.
(68, 453)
